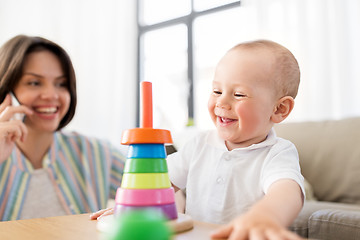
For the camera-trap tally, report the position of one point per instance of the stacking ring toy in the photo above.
(145, 180)
(145, 197)
(146, 151)
(169, 210)
(145, 165)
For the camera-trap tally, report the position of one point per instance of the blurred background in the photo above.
(176, 44)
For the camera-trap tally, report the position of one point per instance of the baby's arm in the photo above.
(269, 217)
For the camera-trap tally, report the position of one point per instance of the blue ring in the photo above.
(146, 151)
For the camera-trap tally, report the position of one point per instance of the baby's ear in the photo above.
(283, 108)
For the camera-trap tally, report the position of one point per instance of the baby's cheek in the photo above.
(211, 108)
(248, 118)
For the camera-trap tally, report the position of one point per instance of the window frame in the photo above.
(188, 20)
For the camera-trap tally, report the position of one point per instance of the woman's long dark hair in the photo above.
(12, 56)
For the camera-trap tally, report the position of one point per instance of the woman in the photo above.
(45, 171)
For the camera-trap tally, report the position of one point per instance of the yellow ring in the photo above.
(145, 180)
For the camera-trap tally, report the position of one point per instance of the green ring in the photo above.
(145, 165)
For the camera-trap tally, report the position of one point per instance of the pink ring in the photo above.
(144, 197)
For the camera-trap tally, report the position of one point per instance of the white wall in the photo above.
(324, 35)
(100, 37)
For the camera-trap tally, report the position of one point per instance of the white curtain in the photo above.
(324, 35)
(100, 37)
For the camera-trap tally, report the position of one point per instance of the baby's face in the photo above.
(243, 97)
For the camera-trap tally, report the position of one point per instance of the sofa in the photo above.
(329, 153)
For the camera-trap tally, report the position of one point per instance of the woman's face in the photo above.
(42, 88)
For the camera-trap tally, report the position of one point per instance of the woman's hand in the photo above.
(10, 130)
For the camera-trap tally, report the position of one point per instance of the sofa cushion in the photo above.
(309, 192)
(329, 156)
(334, 225)
(302, 223)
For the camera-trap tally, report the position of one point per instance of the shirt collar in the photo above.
(215, 141)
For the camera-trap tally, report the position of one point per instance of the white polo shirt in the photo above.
(221, 184)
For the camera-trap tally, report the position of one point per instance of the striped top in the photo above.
(84, 171)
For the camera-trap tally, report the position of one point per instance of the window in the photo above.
(165, 65)
(211, 41)
(155, 11)
(180, 42)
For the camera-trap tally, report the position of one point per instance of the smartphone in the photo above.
(15, 102)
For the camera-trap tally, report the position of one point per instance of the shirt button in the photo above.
(219, 180)
(227, 158)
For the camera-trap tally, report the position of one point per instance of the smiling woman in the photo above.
(46, 171)
(43, 87)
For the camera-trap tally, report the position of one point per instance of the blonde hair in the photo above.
(287, 77)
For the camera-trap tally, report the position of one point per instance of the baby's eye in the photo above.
(239, 95)
(217, 92)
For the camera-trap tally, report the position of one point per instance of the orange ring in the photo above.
(145, 135)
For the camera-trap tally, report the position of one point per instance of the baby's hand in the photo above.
(101, 213)
(247, 227)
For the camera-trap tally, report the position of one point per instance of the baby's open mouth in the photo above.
(226, 120)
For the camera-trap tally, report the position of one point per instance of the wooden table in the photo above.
(77, 227)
